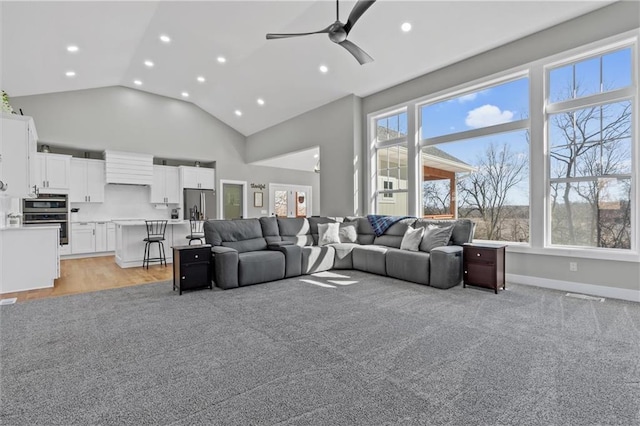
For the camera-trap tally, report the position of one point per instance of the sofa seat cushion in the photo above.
(370, 258)
(317, 259)
(260, 266)
(344, 255)
(408, 265)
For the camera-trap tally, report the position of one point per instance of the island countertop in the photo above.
(141, 222)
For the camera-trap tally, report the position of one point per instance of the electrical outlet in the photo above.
(573, 266)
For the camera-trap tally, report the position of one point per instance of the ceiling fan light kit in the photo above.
(338, 31)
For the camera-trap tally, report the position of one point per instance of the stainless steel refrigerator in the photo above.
(199, 204)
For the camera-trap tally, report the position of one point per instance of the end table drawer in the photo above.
(195, 255)
(477, 254)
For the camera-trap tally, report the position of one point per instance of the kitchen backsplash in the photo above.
(123, 202)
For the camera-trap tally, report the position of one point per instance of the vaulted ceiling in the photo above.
(114, 40)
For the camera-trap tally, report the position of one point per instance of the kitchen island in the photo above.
(29, 257)
(130, 235)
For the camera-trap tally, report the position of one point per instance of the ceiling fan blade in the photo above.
(276, 36)
(358, 53)
(358, 10)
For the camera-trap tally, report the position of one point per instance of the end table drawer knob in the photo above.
(478, 254)
(196, 256)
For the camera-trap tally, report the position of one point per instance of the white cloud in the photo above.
(467, 98)
(487, 115)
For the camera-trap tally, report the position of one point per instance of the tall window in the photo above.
(475, 159)
(391, 164)
(590, 108)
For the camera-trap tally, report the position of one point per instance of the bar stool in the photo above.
(197, 231)
(155, 234)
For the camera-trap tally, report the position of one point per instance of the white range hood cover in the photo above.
(128, 168)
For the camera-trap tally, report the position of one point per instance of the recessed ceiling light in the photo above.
(406, 27)
(324, 69)
(238, 112)
(201, 79)
(70, 73)
(315, 155)
(72, 48)
(222, 59)
(260, 101)
(137, 82)
(148, 63)
(185, 94)
(165, 38)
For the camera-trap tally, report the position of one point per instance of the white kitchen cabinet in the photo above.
(29, 257)
(17, 152)
(111, 236)
(87, 181)
(101, 236)
(83, 237)
(197, 177)
(53, 172)
(166, 185)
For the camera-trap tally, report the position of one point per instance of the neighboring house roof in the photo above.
(431, 156)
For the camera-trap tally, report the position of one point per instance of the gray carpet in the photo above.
(369, 351)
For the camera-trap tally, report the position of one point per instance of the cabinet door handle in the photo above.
(184, 278)
(89, 197)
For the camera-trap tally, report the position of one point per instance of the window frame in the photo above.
(627, 94)
(539, 164)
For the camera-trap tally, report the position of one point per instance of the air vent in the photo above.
(128, 168)
(9, 301)
(585, 297)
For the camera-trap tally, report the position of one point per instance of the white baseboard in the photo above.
(595, 290)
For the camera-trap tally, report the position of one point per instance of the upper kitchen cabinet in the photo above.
(17, 149)
(53, 173)
(87, 181)
(166, 185)
(197, 177)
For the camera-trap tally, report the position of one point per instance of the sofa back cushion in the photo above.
(296, 230)
(392, 237)
(243, 235)
(366, 234)
(463, 229)
(270, 229)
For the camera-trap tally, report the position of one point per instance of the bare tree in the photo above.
(486, 191)
(436, 196)
(591, 145)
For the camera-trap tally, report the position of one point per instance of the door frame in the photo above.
(284, 186)
(221, 196)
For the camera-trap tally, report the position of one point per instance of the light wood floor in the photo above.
(94, 274)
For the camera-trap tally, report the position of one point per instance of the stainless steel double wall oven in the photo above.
(50, 209)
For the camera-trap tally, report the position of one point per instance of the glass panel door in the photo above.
(232, 201)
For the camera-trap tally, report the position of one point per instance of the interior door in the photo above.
(233, 203)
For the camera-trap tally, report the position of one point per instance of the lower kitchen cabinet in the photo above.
(92, 237)
(83, 237)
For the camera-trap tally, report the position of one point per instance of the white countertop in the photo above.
(141, 222)
(29, 227)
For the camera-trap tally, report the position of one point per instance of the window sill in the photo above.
(583, 253)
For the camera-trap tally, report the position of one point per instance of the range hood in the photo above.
(128, 168)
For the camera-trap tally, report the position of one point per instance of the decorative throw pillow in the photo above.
(328, 233)
(348, 233)
(411, 239)
(435, 236)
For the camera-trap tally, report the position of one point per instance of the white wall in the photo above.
(120, 118)
(335, 128)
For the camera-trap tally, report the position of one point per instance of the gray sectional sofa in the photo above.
(252, 251)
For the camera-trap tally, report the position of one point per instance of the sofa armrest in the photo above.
(445, 266)
(225, 266)
(292, 258)
(276, 244)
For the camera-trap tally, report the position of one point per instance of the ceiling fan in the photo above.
(338, 31)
